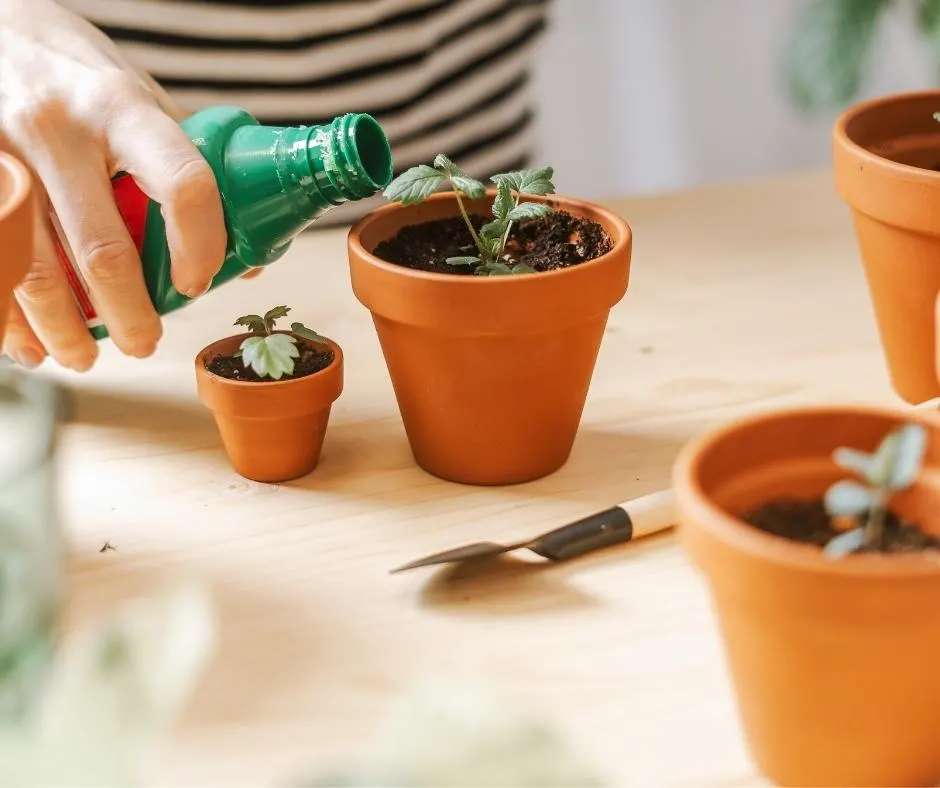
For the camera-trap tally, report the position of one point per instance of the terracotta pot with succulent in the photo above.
(16, 229)
(271, 393)
(886, 159)
(826, 588)
(490, 306)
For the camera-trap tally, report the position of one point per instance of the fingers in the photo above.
(20, 343)
(102, 248)
(47, 306)
(151, 147)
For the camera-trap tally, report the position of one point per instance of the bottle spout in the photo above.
(350, 159)
(280, 179)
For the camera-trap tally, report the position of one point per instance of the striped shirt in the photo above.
(440, 76)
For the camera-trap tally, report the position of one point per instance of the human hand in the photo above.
(77, 113)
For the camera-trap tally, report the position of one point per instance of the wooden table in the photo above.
(742, 298)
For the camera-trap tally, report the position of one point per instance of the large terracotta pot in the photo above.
(884, 154)
(272, 431)
(490, 373)
(834, 662)
(16, 230)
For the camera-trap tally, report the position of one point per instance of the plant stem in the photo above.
(874, 528)
(466, 218)
(502, 244)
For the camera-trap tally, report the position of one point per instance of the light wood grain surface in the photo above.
(742, 298)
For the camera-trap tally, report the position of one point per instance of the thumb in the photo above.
(154, 149)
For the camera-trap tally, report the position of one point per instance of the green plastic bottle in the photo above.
(274, 183)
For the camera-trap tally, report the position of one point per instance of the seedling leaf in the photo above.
(276, 313)
(415, 185)
(859, 462)
(537, 181)
(498, 269)
(529, 210)
(908, 456)
(307, 333)
(847, 499)
(522, 268)
(503, 204)
(255, 323)
(846, 543)
(472, 188)
(270, 356)
(462, 261)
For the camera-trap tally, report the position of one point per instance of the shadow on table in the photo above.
(161, 418)
(511, 585)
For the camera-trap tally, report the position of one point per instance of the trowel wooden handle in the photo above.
(622, 523)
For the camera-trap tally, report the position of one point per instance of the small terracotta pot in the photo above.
(16, 230)
(272, 431)
(884, 151)
(834, 662)
(490, 373)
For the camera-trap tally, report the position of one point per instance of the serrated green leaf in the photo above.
(529, 210)
(276, 313)
(307, 333)
(847, 499)
(503, 203)
(415, 185)
(462, 260)
(445, 165)
(846, 543)
(273, 315)
(469, 186)
(255, 323)
(826, 51)
(859, 462)
(522, 268)
(537, 181)
(270, 356)
(493, 230)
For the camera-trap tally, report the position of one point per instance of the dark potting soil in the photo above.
(559, 240)
(311, 360)
(808, 522)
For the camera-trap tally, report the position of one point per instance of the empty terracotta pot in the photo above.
(272, 431)
(834, 662)
(885, 154)
(490, 373)
(16, 230)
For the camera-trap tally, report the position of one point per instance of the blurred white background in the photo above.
(641, 96)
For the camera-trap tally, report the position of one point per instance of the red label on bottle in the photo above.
(132, 204)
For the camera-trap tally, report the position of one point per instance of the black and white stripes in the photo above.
(447, 76)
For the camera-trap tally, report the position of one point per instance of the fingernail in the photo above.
(194, 291)
(28, 357)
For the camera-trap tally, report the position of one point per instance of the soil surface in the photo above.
(808, 522)
(312, 359)
(559, 240)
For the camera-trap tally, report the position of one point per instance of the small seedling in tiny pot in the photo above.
(893, 467)
(268, 353)
(417, 184)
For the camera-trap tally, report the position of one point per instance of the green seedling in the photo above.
(417, 184)
(893, 467)
(269, 353)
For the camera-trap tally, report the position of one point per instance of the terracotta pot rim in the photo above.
(22, 184)
(706, 515)
(888, 166)
(572, 204)
(254, 385)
